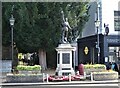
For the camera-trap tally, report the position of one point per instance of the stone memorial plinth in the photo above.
(64, 59)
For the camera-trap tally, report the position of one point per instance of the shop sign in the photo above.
(86, 50)
(113, 40)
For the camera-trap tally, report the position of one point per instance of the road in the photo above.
(114, 85)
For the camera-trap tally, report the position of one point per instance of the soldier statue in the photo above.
(65, 28)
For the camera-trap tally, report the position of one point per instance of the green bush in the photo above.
(94, 66)
(28, 68)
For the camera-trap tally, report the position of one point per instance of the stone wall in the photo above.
(24, 78)
(100, 76)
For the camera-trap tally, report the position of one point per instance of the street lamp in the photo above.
(12, 20)
(97, 24)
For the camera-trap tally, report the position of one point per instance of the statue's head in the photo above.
(62, 12)
(66, 19)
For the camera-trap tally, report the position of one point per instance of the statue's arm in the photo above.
(63, 18)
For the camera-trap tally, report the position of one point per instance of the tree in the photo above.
(38, 25)
(77, 14)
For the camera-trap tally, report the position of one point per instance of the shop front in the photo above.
(109, 49)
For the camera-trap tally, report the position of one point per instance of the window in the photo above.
(117, 20)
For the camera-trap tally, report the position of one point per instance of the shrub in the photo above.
(29, 68)
(95, 66)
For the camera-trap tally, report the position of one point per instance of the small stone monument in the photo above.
(65, 52)
(64, 60)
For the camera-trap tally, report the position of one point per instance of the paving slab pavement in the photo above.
(52, 72)
(61, 83)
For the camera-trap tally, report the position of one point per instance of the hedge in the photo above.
(95, 66)
(28, 68)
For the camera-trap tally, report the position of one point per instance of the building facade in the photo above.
(109, 16)
(109, 49)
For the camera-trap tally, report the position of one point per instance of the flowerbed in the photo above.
(66, 78)
(26, 74)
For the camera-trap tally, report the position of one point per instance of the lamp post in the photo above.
(97, 24)
(12, 20)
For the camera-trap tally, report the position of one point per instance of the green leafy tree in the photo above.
(38, 25)
(77, 14)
